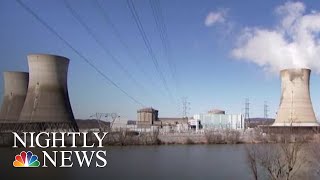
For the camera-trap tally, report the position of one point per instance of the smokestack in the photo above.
(47, 97)
(295, 105)
(15, 91)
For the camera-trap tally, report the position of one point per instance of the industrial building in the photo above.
(148, 118)
(214, 119)
(15, 91)
(218, 119)
(295, 107)
(172, 121)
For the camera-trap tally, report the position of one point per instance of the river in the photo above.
(165, 162)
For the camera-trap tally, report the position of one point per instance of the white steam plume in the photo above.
(293, 43)
(216, 17)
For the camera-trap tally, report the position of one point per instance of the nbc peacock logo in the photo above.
(26, 159)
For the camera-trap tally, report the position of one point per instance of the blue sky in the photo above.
(206, 71)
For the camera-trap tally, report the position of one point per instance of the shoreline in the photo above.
(208, 138)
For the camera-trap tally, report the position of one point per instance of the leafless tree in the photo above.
(284, 160)
(252, 160)
(231, 136)
(225, 136)
(314, 148)
(214, 137)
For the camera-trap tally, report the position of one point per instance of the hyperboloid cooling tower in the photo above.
(47, 98)
(295, 105)
(15, 91)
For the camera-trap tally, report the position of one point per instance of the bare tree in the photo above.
(222, 136)
(282, 160)
(232, 136)
(314, 148)
(252, 160)
(214, 137)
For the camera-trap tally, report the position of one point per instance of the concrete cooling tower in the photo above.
(15, 91)
(295, 104)
(47, 97)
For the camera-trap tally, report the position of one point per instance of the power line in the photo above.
(162, 28)
(118, 35)
(107, 51)
(148, 45)
(29, 10)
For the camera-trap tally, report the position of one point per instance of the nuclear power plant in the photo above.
(15, 91)
(39, 101)
(295, 104)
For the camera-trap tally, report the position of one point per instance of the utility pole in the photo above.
(185, 107)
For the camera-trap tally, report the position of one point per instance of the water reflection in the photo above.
(145, 162)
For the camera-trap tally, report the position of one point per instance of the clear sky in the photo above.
(201, 35)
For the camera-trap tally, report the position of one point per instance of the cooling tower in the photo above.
(295, 104)
(15, 91)
(47, 98)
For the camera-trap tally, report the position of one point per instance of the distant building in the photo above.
(173, 124)
(216, 111)
(172, 121)
(194, 123)
(255, 122)
(217, 119)
(131, 122)
(146, 117)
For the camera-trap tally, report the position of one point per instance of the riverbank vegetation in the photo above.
(285, 156)
(124, 137)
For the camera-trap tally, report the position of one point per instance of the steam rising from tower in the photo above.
(292, 43)
(15, 91)
(295, 104)
(47, 98)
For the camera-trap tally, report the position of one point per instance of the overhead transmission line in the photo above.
(148, 46)
(106, 50)
(118, 35)
(29, 10)
(116, 32)
(162, 28)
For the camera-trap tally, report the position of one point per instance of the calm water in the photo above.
(145, 162)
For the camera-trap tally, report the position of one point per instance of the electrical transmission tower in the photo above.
(105, 117)
(247, 112)
(185, 107)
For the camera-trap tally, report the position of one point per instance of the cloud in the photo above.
(293, 43)
(215, 17)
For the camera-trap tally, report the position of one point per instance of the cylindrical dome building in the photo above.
(216, 111)
(15, 91)
(295, 104)
(47, 97)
